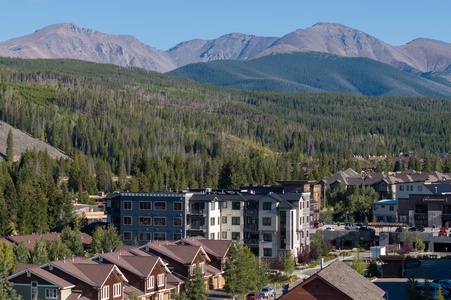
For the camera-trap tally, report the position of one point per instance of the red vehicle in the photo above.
(442, 233)
(254, 296)
(317, 224)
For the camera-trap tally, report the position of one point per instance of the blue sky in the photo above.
(164, 23)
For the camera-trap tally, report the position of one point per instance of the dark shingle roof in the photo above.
(217, 248)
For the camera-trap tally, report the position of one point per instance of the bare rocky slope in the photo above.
(23, 141)
(69, 41)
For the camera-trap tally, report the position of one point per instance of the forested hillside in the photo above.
(172, 133)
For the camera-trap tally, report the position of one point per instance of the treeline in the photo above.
(129, 129)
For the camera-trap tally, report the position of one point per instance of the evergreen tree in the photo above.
(7, 259)
(39, 254)
(10, 147)
(58, 250)
(195, 289)
(21, 253)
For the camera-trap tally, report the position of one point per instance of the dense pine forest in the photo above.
(130, 129)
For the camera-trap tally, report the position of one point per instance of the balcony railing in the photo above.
(253, 227)
(251, 212)
(202, 212)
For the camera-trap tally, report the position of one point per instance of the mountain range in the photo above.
(425, 57)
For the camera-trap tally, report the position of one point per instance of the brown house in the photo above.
(145, 273)
(97, 281)
(337, 281)
(30, 239)
(183, 259)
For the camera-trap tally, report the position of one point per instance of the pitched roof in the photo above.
(350, 282)
(30, 239)
(140, 265)
(184, 254)
(86, 270)
(217, 248)
(43, 274)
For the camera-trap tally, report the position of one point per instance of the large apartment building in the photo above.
(266, 218)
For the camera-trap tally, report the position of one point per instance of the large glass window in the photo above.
(266, 221)
(224, 220)
(159, 236)
(127, 236)
(236, 205)
(266, 205)
(144, 236)
(235, 220)
(224, 235)
(105, 292)
(150, 282)
(127, 205)
(235, 235)
(212, 221)
(267, 237)
(160, 280)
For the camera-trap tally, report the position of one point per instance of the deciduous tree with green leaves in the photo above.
(105, 239)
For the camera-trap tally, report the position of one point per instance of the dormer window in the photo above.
(150, 282)
(160, 280)
(117, 290)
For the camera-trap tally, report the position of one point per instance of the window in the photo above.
(177, 236)
(236, 205)
(375, 207)
(145, 205)
(392, 208)
(235, 220)
(224, 204)
(213, 206)
(160, 280)
(127, 221)
(159, 221)
(212, 236)
(160, 296)
(419, 188)
(224, 235)
(300, 220)
(401, 188)
(267, 252)
(202, 267)
(105, 292)
(144, 236)
(150, 282)
(177, 206)
(127, 205)
(266, 205)
(267, 237)
(212, 221)
(266, 221)
(177, 221)
(235, 235)
(159, 206)
(127, 236)
(145, 221)
(117, 290)
(51, 293)
(224, 220)
(159, 236)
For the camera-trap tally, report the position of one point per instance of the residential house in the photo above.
(336, 281)
(183, 259)
(148, 274)
(97, 281)
(32, 282)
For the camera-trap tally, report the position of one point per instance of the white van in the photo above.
(433, 289)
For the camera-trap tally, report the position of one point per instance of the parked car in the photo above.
(254, 296)
(416, 228)
(317, 224)
(444, 282)
(412, 263)
(330, 229)
(351, 227)
(442, 233)
(369, 229)
(267, 292)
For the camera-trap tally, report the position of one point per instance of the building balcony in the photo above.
(251, 227)
(200, 212)
(420, 216)
(202, 228)
(251, 242)
(251, 212)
